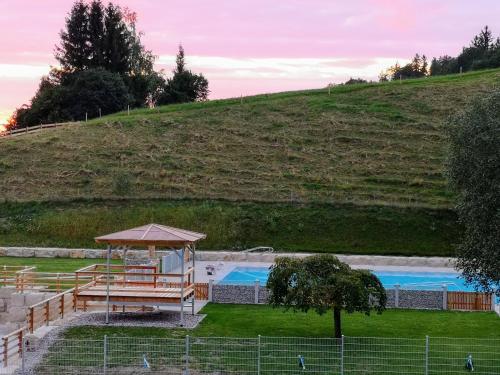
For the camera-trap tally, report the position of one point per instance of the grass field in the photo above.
(319, 227)
(252, 320)
(51, 264)
(226, 343)
(296, 170)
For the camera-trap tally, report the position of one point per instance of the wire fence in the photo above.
(271, 355)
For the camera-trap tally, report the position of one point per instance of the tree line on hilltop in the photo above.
(483, 52)
(105, 68)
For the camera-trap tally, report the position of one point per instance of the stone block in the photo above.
(7, 292)
(3, 305)
(18, 299)
(34, 298)
(16, 314)
(77, 253)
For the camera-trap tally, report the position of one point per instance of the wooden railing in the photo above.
(53, 308)
(200, 289)
(8, 133)
(45, 281)
(12, 276)
(12, 346)
(470, 301)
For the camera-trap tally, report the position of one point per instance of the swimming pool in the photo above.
(406, 280)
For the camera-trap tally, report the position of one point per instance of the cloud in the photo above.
(23, 71)
(326, 69)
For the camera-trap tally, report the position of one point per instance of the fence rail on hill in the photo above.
(271, 355)
(30, 129)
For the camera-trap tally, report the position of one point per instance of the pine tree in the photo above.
(117, 41)
(484, 40)
(74, 52)
(185, 86)
(96, 34)
(180, 62)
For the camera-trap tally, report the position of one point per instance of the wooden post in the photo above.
(108, 260)
(20, 343)
(47, 312)
(32, 319)
(58, 283)
(62, 306)
(5, 351)
(182, 287)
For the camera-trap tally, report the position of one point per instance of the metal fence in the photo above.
(271, 356)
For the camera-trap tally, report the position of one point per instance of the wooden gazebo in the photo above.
(129, 285)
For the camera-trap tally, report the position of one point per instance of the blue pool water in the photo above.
(406, 280)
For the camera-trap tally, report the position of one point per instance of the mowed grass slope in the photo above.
(356, 171)
(364, 144)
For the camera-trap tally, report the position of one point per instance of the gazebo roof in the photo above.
(152, 235)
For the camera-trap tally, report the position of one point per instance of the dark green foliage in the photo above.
(474, 171)
(75, 95)
(353, 81)
(482, 53)
(323, 283)
(116, 41)
(185, 86)
(444, 65)
(417, 68)
(96, 34)
(99, 38)
(73, 52)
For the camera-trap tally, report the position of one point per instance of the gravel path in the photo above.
(162, 319)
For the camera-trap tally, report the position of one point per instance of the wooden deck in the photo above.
(136, 294)
(140, 285)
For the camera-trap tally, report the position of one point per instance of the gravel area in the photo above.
(160, 319)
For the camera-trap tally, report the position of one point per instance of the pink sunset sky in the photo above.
(253, 46)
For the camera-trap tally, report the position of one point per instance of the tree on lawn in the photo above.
(323, 283)
(474, 172)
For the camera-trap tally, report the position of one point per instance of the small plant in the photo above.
(122, 184)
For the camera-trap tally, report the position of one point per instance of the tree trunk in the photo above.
(336, 322)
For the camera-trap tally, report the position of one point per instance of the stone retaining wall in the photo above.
(233, 293)
(405, 299)
(233, 256)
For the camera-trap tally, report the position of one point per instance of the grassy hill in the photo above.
(363, 147)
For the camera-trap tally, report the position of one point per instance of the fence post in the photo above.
(258, 356)
(493, 296)
(210, 290)
(23, 354)
(426, 355)
(5, 351)
(396, 295)
(342, 355)
(47, 312)
(105, 355)
(187, 355)
(445, 297)
(256, 296)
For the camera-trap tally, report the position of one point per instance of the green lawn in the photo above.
(51, 264)
(391, 343)
(253, 320)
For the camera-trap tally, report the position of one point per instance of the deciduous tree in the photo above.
(473, 169)
(323, 283)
